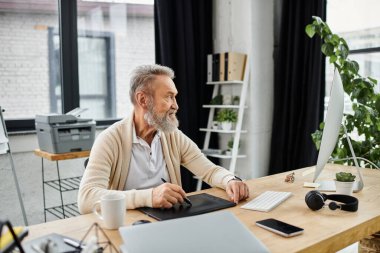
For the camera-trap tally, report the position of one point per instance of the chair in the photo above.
(86, 162)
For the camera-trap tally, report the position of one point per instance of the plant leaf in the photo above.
(333, 58)
(377, 104)
(372, 80)
(318, 19)
(310, 30)
(327, 49)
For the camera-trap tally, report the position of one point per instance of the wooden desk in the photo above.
(60, 184)
(325, 230)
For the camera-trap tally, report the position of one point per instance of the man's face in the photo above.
(162, 106)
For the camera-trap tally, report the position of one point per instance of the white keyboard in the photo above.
(266, 201)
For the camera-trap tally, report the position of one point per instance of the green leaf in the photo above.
(327, 49)
(335, 39)
(355, 66)
(318, 19)
(333, 58)
(344, 43)
(372, 80)
(352, 66)
(310, 30)
(377, 104)
(317, 137)
(343, 51)
(357, 81)
(367, 84)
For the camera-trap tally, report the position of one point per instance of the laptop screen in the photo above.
(212, 232)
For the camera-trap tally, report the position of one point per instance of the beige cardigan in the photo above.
(107, 169)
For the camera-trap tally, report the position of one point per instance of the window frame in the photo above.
(67, 13)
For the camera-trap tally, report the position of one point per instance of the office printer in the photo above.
(62, 133)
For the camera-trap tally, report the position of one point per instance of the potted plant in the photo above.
(236, 100)
(230, 145)
(217, 100)
(226, 117)
(365, 119)
(344, 183)
(215, 123)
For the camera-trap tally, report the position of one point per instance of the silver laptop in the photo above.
(211, 232)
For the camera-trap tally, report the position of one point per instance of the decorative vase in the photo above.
(227, 99)
(226, 125)
(345, 188)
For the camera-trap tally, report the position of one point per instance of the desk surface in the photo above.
(62, 156)
(325, 230)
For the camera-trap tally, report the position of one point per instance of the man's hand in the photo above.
(166, 195)
(237, 190)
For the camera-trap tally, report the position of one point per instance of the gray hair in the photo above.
(142, 77)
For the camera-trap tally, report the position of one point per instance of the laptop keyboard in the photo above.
(266, 201)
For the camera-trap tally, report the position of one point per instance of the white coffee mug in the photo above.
(112, 210)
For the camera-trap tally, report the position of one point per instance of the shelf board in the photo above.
(67, 184)
(225, 82)
(225, 156)
(71, 210)
(223, 106)
(221, 131)
(212, 151)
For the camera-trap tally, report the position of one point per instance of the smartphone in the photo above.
(279, 227)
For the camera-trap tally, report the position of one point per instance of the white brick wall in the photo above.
(24, 62)
(24, 80)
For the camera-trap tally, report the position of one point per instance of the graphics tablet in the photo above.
(202, 203)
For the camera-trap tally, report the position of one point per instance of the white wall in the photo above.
(247, 26)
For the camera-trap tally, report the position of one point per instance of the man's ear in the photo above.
(142, 100)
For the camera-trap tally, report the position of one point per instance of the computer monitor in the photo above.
(330, 135)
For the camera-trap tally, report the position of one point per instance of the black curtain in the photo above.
(299, 88)
(183, 37)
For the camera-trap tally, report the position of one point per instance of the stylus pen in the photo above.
(73, 243)
(186, 199)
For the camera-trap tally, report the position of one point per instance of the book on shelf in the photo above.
(226, 66)
(209, 68)
(221, 67)
(236, 66)
(215, 67)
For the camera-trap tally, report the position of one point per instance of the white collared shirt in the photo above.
(147, 165)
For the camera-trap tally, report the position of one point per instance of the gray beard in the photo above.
(163, 123)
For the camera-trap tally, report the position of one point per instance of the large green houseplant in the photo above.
(365, 119)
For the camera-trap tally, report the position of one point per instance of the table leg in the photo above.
(60, 191)
(43, 186)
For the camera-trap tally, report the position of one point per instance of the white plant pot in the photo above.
(215, 125)
(227, 99)
(226, 125)
(228, 152)
(345, 188)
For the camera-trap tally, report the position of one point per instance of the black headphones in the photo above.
(316, 200)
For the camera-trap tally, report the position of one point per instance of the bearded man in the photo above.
(138, 153)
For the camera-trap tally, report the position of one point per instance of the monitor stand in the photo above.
(329, 186)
